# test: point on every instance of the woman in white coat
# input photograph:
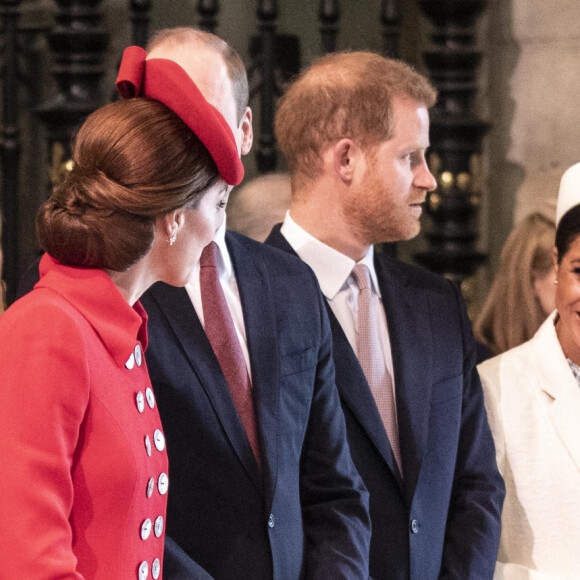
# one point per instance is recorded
(532, 395)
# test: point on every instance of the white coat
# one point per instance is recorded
(533, 405)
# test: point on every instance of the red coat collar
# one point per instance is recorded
(95, 296)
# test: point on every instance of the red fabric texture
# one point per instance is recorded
(165, 81)
(73, 460)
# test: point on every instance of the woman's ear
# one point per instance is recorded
(555, 261)
(170, 224)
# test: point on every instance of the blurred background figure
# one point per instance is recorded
(522, 293)
(532, 397)
(255, 208)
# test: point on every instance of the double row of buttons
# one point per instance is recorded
(147, 525)
(136, 357)
(155, 570)
(158, 440)
(162, 484)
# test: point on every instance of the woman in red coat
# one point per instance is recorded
(84, 483)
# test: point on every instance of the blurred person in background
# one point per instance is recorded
(522, 292)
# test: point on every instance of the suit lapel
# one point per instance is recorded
(352, 385)
(557, 380)
(261, 333)
(409, 324)
(177, 307)
(356, 394)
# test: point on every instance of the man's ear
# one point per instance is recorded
(345, 156)
(247, 132)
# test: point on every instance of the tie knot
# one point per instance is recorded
(209, 256)
(362, 276)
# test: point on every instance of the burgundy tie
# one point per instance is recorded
(221, 332)
(372, 359)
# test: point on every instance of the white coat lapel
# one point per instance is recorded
(559, 384)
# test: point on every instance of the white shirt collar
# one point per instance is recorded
(332, 268)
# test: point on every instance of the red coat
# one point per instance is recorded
(79, 489)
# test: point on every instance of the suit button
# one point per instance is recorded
(271, 521)
(414, 526)
(148, 445)
(146, 529)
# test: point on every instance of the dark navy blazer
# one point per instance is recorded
(305, 514)
(443, 519)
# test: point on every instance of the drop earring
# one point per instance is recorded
(172, 239)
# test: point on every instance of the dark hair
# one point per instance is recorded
(567, 231)
(133, 161)
(182, 35)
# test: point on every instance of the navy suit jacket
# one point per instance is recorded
(443, 519)
(305, 513)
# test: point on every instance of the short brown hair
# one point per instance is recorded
(341, 95)
(236, 70)
(134, 160)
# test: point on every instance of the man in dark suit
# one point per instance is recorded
(295, 507)
(355, 129)
(298, 509)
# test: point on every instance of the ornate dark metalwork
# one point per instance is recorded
(266, 157)
(140, 18)
(390, 16)
(208, 10)
(329, 14)
(78, 42)
(10, 145)
(456, 137)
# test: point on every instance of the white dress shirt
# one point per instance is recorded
(229, 286)
(334, 273)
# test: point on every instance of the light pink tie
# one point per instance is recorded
(372, 359)
(221, 332)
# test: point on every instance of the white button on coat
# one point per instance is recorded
(140, 400)
(158, 530)
(150, 398)
(150, 486)
(163, 483)
(138, 355)
(155, 568)
(146, 529)
(148, 445)
(143, 571)
(130, 362)
(159, 440)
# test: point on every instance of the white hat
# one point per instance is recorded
(569, 193)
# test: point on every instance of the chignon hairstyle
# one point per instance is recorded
(134, 161)
(512, 313)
